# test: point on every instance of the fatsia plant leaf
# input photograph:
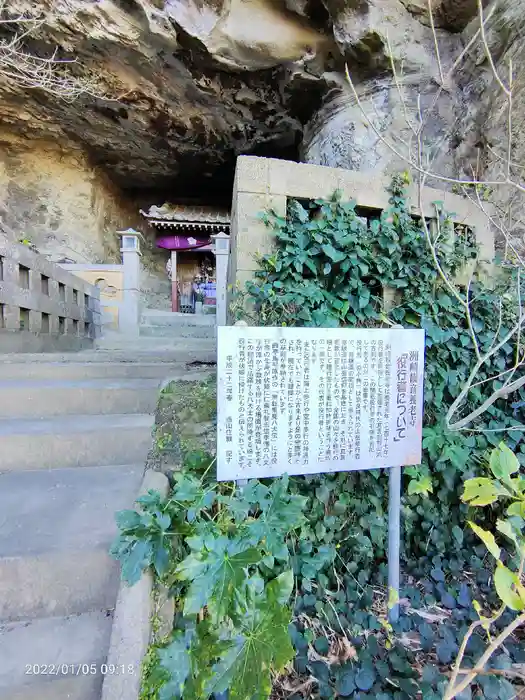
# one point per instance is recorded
(175, 658)
(189, 659)
(218, 573)
(189, 490)
(280, 512)
(138, 557)
(262, 645)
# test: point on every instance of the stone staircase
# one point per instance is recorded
(163, 324)
(75, 431)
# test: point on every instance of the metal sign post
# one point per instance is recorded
(394, 540)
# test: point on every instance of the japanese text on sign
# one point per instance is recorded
(311, 400)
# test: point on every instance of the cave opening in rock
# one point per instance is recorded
(207, 179)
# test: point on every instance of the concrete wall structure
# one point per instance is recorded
(71, 212)
(43, 307)
(265, 183)
(110, 281)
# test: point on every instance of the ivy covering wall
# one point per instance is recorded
(306, 577)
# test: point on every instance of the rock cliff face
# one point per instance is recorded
(181, 87)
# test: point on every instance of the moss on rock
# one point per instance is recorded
(186, 422)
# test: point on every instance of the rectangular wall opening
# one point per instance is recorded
(61, 325)
(61, 291)
(87, 330)
(23, 276)
(45, 325)
(86, 301)
(75, 327)
(2, 315)
(1, 268)
(45, 285)
(75, 296)
(24, 319)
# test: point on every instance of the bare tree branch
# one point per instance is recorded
(421, 158)
(27, 70)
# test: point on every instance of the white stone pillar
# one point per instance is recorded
(221, 249)
(129, 315)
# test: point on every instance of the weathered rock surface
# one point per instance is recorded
(196, 82)
(191, 84)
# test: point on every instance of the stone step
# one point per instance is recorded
(82, 687)
(71, 370)
(177, 319)
(56, 529)
(68, 688)
(173, 331)
(174, 344)
(76, 644)
(124, 354)
(74, 441)
(24, 398)
(57, 583)
(185, 350)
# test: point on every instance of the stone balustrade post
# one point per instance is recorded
(221, 249)
(130, 311)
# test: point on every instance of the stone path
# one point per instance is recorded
(75, 431)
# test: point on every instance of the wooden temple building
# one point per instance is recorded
(186, 232)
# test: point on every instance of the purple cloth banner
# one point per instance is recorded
(181, 242)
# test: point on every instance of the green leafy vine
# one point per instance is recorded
(225, 555)
(334, 264)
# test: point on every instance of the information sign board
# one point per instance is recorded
(312, 400)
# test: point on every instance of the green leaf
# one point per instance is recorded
(505, 582)
(365, 678)
(505, 527)
(345, 685)
(503, 462)
(280, 513)
(323, 493)
(188, 661)
(422, 486)
(334, 255)
(321, 646)
(457, 533)
(138, 559)
(517, 508)
(175, 659)
(261, 645)
(161, 558)
(218, 574)
(150, 500)
(268, 561)
(280, 588)
(311, 265)
(487, 538)
(127, 519)
(190, 491)
(364, 298)
(304, 314)
(480, 492)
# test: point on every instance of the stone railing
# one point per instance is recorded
(110, 281)
(119, 286)
(265, 183)
(43, 308)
